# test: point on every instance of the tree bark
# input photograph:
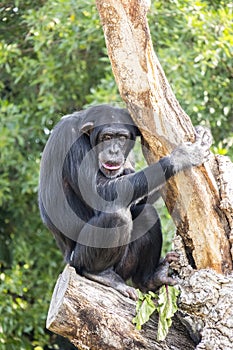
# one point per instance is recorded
(192, 197)
(96, 317)
(200, 201)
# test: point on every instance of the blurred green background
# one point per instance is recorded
(53, 61)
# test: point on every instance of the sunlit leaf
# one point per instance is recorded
(167, 307)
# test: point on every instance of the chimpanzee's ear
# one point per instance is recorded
(87, 128)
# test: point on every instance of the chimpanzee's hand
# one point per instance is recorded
(191, 154)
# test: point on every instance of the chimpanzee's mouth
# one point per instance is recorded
(111, 166)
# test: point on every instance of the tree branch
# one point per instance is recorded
(93, 316)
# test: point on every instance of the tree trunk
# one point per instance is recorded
(200, 201)
(193, 196)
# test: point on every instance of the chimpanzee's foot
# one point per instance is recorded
(161, 275)
(111, 279)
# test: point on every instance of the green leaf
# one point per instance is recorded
(144, 309)
(167, 306)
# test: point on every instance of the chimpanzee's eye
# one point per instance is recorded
(122, 138)
(106, 137)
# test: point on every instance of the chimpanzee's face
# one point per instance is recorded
(113, 145)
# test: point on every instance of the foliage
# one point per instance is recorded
(194, 42)
(53, 60)
(45, 59)
(165, 303)
(167, 307)
(145, 307)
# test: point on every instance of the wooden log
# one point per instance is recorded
(96, 317)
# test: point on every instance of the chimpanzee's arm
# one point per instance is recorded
(130, 188)
(138, 185)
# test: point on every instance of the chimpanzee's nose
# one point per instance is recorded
(114, 150)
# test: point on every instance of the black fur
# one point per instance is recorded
(112, 228)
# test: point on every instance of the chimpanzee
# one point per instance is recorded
(98, 208)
